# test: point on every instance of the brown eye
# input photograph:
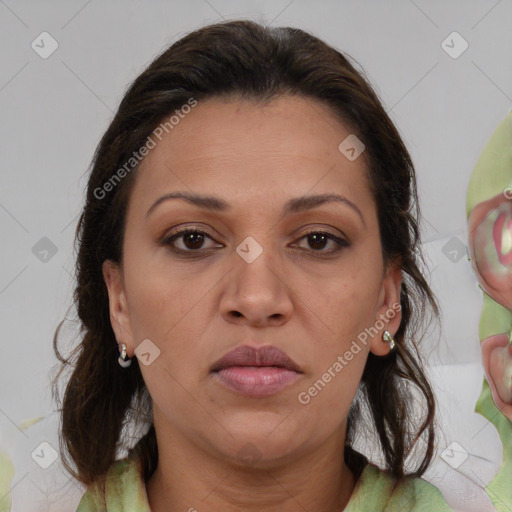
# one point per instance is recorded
(317, 241)
(192, 240)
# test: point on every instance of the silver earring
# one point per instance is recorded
(386, 336)
(123, 359)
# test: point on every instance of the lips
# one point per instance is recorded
(256, 357)
(490, 245)
(256, 372)
(497, 359)
(502, 237)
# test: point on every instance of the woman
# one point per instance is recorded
(250, 236)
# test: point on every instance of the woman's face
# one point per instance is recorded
(254, 280)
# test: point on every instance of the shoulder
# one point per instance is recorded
(124, 490)
(380, 491)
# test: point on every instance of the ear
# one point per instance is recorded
(118, 305)
(389, 311)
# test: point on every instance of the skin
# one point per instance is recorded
(196, 310)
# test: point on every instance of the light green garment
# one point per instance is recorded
(375, 491)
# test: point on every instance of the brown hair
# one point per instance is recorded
(253, 62)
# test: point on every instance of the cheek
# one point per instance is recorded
(160, 297)
(349, 302)
(325, 401)
(171, 311)
(340, 350)
(171, 305)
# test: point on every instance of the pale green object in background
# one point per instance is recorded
(493, 170)
(491, 176)
(6, 476)
(7, 470)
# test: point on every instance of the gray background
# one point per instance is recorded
(54, 111)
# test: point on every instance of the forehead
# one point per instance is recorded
(238, 148)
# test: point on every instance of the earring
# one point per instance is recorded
(386, 336)
(123, 359)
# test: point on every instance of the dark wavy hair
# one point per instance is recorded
(247, 61)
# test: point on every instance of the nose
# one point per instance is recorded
(257, 293)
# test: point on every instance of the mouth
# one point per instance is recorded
(256, 372)
(267, 356)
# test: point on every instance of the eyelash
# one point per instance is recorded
(168, 240)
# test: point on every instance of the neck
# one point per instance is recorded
(189, 479)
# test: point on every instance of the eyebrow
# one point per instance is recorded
(295, 205)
